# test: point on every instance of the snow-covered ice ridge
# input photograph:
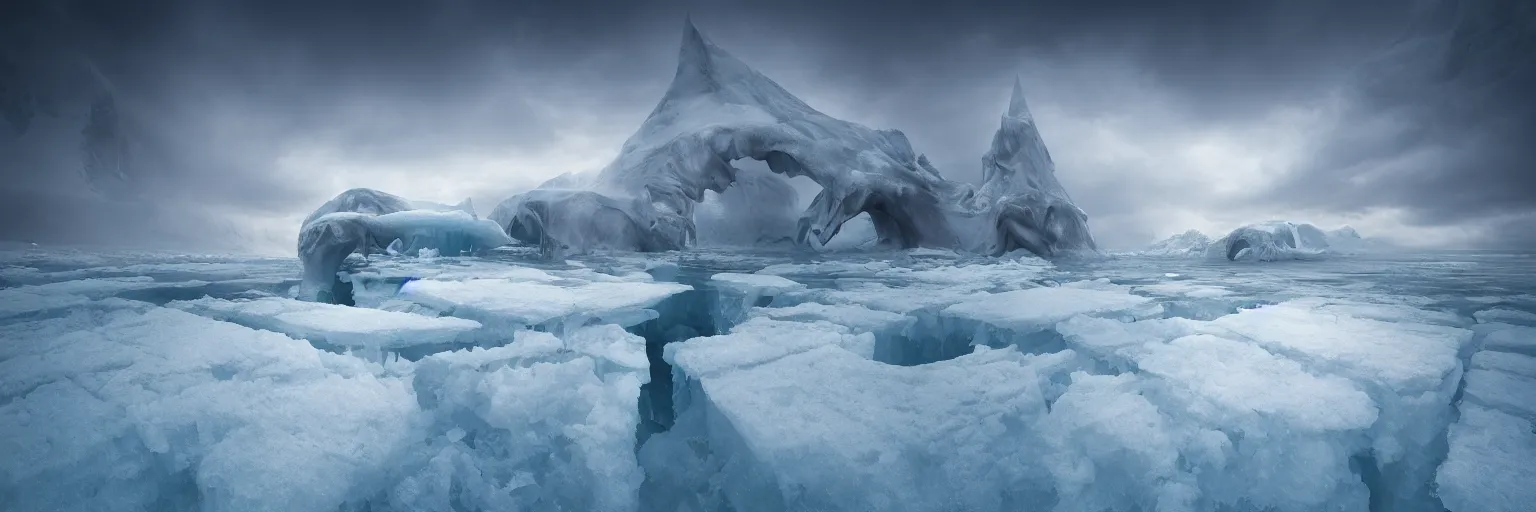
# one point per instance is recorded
(912, 380)
(1266, 241)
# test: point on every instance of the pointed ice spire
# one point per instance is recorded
(1016, 106)
(697, 63)
(706, 69)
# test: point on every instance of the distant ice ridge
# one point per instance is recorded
(718, 110)
(1270, 241)
(1267, 241)
(369, 221)
(1188, 243)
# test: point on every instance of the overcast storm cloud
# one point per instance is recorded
(219, 125)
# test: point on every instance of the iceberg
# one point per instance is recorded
(1270, 241)
(718, 111)
(365, 221)
(1188, 243)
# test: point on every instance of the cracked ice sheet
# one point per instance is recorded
(105, 408)
(1410, 370)
(32, 299)
(759, 340)
(1405, 358)
(342, 326)
(1489, 465)
(933, 437)
(505, 303)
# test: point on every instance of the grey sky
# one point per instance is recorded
(1161, 115)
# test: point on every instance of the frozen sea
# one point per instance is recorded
(768, 381)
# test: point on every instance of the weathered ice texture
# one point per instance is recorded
(718, 110)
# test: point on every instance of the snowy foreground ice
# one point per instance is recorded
(701, 381)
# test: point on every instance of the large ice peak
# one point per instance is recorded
(1019, 179)
(1017, 108)
(719, 110)
(704, 69)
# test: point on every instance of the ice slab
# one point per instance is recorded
(755, 284)
(1515, 364)
(1025, 318)
(503, 303)
(142, 407)
(1507, 316)
(341, 326)
(855, 317)
(1511, 338)
(907, 438)
(760, 340)
(1402, 357)
(1509, 393)
(1036, 309)
(1238, 384)
(1116, 342)
(1489, 466)
(1410, 370)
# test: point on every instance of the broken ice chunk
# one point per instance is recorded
(757, 341)
(1024, 318)
(341, 326)
(1246, 385)
(1512, 394)
(1515, 364)
(1507, 316)
(501, 303)
(1115, 342)
(889, 329)
(142, 406)
(740, 292)
(1511, 338)
(1402, 357)
(542, 423)
(1489, 466)
(946, 436)
(1410, 370)
(1035, 309)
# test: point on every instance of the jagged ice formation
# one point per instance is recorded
(366, 220)
(718, 110)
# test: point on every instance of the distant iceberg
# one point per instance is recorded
(718, 111)
(1188, 243)
(1270, 241)
(1266, 241)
